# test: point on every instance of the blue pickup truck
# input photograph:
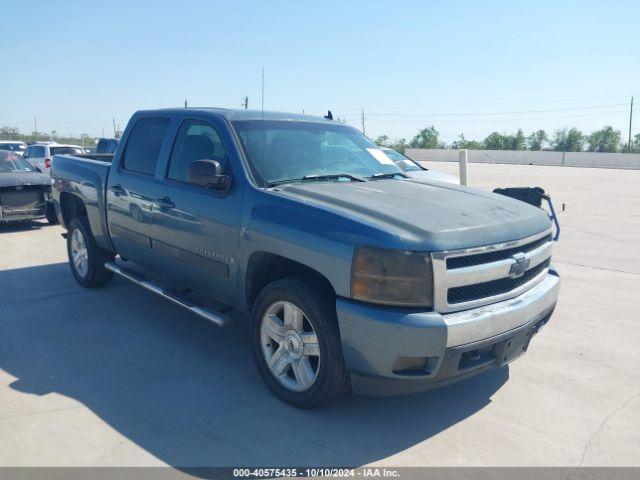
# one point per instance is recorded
(355, 276)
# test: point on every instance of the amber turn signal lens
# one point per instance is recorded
(392, 277)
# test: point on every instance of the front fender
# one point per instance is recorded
(297, 236)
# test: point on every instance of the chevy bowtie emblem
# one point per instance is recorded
(521, 265)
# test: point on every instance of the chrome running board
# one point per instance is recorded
(216, 317)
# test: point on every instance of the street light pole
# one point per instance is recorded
(630, 123)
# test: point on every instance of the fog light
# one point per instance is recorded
(414, 365)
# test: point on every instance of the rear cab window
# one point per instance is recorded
(143, 147)
(35, 152)
(66, 151)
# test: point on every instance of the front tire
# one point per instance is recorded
(296, 342)
(86, 258)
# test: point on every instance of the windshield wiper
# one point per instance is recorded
(377, 176)
(312, 178)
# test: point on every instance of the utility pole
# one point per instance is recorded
(630, 120)
(363, 126)
(262, 92)
(185, 104)
(35, 128)
(246, 102)
(114, 127)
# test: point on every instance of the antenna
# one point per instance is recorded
(262, 116)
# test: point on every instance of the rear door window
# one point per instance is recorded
(144, 145)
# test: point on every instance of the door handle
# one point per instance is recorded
(118, 190)
(165, 202)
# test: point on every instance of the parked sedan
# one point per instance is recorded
(24, 190)
(13, 146)
(417, 171)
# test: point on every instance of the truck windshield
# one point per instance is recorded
(285, 151)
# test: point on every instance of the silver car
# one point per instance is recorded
(417, 171)
(40, 154)
(14, 146)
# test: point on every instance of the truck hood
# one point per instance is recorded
(12, 179)
(425, 216)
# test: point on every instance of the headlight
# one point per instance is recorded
(392, 277)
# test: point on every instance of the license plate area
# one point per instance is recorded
(512, 348)
(499, 353)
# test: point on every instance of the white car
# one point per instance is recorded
(15, 146)
(40, 154)
(415, 170)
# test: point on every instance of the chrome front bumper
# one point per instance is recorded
(374, 338)
(484, 322)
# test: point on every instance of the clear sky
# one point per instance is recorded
(467, 67)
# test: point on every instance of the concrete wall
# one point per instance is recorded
(568, 159)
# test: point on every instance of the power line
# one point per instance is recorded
(473, 114)
(527, 102)
(520, 119)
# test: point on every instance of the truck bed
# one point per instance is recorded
(101, 157)
(85, 177)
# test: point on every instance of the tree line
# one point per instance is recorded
(607, 139)
(12, 133)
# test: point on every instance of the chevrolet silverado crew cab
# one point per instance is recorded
(355, 276)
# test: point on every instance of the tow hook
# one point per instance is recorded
(537, 327)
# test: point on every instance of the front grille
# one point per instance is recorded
(494, 256)
(478, 291)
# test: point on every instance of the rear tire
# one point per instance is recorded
(307, 368)
(86, 258)
(50, 214)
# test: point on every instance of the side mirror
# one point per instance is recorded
(208, 173)
(38, 169)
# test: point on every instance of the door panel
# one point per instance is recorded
(132, 190)
(129, 214)
(197, 229)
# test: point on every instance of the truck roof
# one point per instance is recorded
(240, 114)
